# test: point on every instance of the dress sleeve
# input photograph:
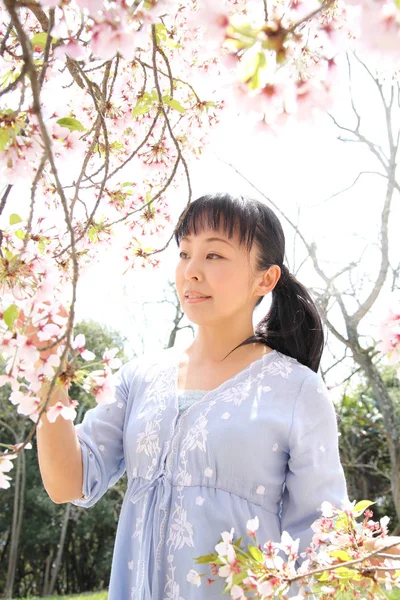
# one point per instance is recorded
(101, 439)
(314, 471)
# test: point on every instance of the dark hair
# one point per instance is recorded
(293, 325)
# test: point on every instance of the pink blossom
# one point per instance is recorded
(265, 589)
(390, 336)
(6, 466)
(27, 350)
(4, 379)
(28, 405)
(194, 577)
(110, 361)
(67, 412)
(92, 6)
(252, 525)
(107, 40)
(287, 544)
(73, 49)
(48, 331)
(79, 344)
(213, 16)
(237, 593)
(47, 367)
(100, 384)
(223, 548)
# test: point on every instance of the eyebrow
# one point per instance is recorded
(211, 239)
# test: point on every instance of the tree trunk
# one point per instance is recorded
(18, 511)
(57, 562)
(390, 419)
(45, 588)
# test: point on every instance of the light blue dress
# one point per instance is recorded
(264, 443)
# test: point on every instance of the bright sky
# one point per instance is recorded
(299, 171)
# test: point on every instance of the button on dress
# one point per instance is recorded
(264, 443)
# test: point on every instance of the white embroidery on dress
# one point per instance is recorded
(148, 440)
(181, 531)
(275, 447)
(198, 435)
(282, 365)
(260, 490)
(208, 472)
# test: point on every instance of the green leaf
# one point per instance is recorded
(20, 234)
(340, 554)
(141, 108)
(39, 39)
(205, 559)
(161, 32)
(238, 542)
(10, 314)
(92, 233)
(127, 184)
(14, 218)
(4, 138)
(345, 573)
(361, 506)
(256, 553)
(71, 123)
(173, 104)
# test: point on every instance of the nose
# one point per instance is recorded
(193, 271)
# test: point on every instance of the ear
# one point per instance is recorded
(268, 281)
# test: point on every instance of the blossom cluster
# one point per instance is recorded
(390, 337)
(338, 559)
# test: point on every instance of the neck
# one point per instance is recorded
(212, 344)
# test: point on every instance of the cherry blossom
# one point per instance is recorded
(67, 412)
(79, 345)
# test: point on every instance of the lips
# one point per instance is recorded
(195, 295)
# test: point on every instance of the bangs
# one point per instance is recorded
(221, 211)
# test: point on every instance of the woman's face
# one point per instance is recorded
(215, 267)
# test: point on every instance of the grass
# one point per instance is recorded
(95, 596)
(103, 596)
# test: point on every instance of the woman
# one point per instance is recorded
(237, 426)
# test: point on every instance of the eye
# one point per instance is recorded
(183, 255)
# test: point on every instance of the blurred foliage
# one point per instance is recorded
(363, 446)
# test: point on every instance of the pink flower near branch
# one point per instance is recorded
(237, 593)
(389, 332)
(108, 39)
(100, 384)
(79, 345)
(252, 526)
(67, 412)
(5, 466)
(110, 361)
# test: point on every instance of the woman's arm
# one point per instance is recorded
(314, 470)
(59, 453)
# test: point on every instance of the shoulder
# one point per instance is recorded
(291, 371)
